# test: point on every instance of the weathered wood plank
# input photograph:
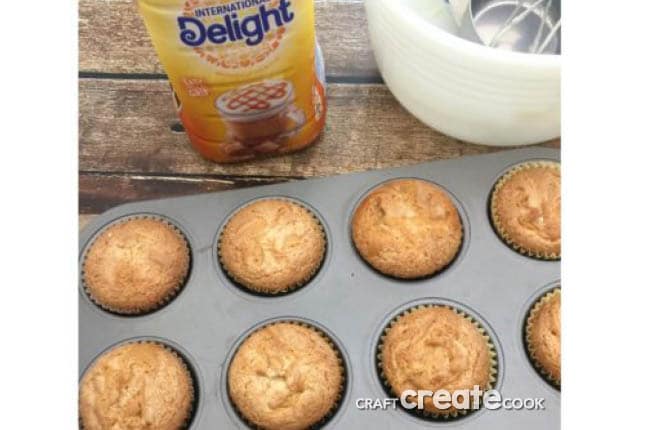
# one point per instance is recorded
(113, 39)
(125, 127)
(100, 192)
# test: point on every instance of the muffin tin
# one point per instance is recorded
(347, 299)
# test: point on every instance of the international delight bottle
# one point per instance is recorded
(247, 75)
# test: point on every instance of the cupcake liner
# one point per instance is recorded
(455, 414)
(437, 272)
(419, 278)
(496, 221)
(545, 298)
(186, 368)
(342, 368)
(161, 303)
(299, 284)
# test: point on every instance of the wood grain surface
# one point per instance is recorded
(100, 192)
(113, 39)
(125, 130)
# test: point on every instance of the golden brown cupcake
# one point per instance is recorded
(136, 266)
(272, 246)
(285, 376)
(407, 228)
(543, 336)
(136, 386)
(436, 348)
(525, 209)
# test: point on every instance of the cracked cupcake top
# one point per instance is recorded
(435, 348)
(526, 209)
(407, 228)
(285, 376)
(136, 265)
(139, 386)
(543, 335)
(272, 246)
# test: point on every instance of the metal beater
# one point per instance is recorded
(531, 26)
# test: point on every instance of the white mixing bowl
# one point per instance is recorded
(463, 89)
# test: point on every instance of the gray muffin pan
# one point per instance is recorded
(347, 299)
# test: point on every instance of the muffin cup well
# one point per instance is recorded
(160, 304)
(421, 413)
(187, 367)
(496, 221)
(530, 349)
(300, 283)
(462, 215)
(339, 354)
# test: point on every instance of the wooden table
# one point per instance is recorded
(128, 149)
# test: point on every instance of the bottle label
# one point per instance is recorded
(244, 73)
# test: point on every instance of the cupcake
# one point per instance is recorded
(285, 376)
(525, 209)
(407, 229)
(136, 386)
(272, 246)
(436, 348)
(543, 330)
(136, 266)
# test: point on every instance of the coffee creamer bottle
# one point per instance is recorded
(247, 75)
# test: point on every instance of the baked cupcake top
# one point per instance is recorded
(543, 335)
(435, 348)
(136, 265)
(272, 246)
(526, 209)
(285, 376)
(407, 228)
(136, 386)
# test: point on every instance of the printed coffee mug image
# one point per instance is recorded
(259, 116)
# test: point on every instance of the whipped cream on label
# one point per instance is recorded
(256, 98)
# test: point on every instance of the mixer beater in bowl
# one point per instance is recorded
(531, 26)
